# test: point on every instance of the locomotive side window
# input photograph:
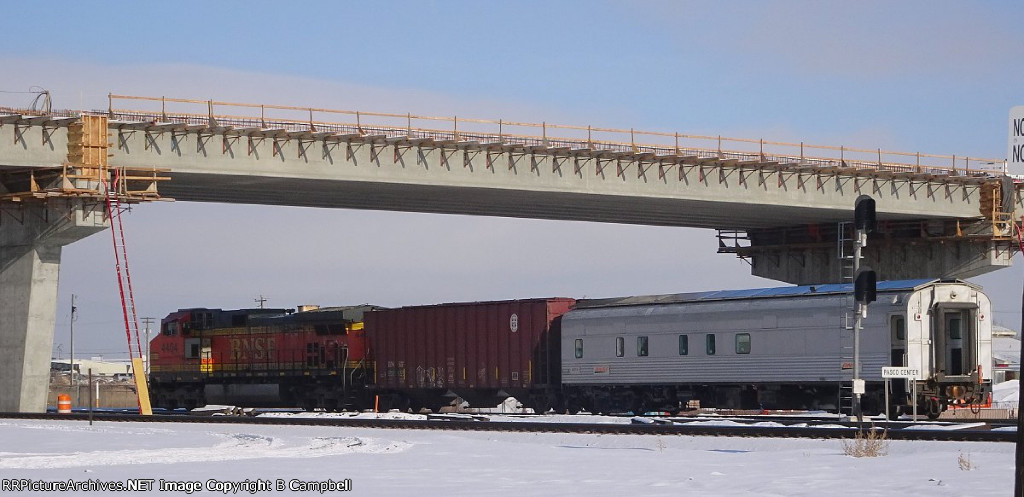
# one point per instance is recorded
(171, 328)
(641, 346)
(684, 344)
(709, 343)
(192, 348)
(579, 348)
(743, 343)
(620, 346)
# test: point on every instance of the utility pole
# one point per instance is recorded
(261, 300)
(147, 322)
(864, 291)
(74, 316)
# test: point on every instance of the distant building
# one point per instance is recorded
(99, 367)
(1005, 354)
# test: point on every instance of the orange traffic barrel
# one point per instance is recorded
(64, 403)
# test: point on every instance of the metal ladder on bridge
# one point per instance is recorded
(124, 284)
(845, 252)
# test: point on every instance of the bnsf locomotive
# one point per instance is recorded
(785, 348)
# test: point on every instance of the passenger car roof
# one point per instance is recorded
(784, 291)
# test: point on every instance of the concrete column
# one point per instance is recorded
(31, 238)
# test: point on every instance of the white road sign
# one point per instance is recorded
(1015, 151)
(896, 372)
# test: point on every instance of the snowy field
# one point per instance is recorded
(422, 463)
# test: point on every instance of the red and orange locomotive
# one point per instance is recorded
(315, 357)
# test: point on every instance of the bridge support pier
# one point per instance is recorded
(892, 261)
(31, 238)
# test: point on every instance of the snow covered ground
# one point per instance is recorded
(1006, 394)
(415, 462)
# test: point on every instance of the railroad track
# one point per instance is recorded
(972, 434)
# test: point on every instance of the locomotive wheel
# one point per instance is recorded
(934, 408)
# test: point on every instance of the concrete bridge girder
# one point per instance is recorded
(571, 185)
(323, 169)
(576, 184)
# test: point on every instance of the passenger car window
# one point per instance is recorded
(579, 348)
(641, 346)
(899, 328)
(620, 346)
(709, 343)
(684, 344)
(743, 343)
(954, 329)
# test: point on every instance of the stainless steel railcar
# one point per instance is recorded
(786, 348)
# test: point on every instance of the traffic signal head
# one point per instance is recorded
(864, 213)
(864, 286)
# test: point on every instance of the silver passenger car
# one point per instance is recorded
(785, 348)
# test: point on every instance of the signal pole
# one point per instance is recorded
(864, 291)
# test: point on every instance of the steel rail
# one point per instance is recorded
(963, 435)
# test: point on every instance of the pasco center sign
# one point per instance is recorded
(1015, 153)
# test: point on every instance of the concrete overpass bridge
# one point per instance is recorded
(781, 206)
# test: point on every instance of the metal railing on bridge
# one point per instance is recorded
(268, 119)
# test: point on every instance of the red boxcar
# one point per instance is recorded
(483, 352)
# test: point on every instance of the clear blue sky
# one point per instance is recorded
(936, 77)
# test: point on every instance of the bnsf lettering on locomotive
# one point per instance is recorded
(252, 348)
